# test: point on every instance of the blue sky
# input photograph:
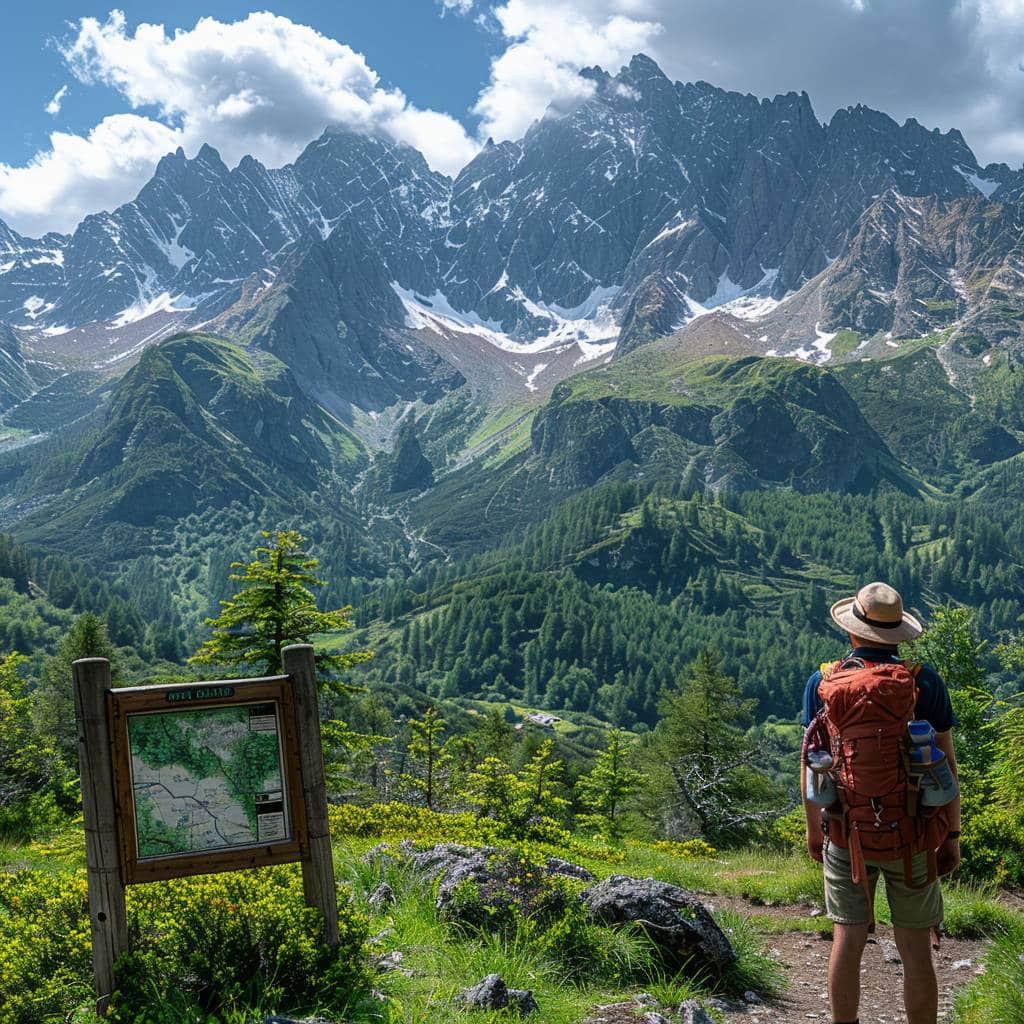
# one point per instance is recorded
(443, 75)
(441, 61)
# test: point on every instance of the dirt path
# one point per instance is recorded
(804, 955)
(805, 958)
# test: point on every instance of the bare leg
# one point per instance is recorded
(920, 989)
(844, 970)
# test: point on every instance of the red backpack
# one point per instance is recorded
(863, 723)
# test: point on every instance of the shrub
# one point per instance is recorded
(45, 950)
(690, 849)
(790, 831)
(246, 939)
(420, 825)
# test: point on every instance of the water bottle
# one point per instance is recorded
(929, 764)
(821, 790)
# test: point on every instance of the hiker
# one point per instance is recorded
(856, 715)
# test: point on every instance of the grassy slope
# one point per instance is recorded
(438, 960)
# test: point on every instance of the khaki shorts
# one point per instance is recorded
(847, 903)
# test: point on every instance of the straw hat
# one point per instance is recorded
(876, 613)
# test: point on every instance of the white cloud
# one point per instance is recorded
(264, 86)
(949, 63)
(53, 107)
(82, 174)
(549, 41)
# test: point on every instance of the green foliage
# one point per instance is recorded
(45, 947)
(988, 746)
(606, 602)
(522, 803)
(605, 791)
(704, 771)
(995, 997)
(527, 906)
(274, 607)
(754, 969)
(34, 782)
(55, 702)
(974, 912)
(212, 945)
(430, 765)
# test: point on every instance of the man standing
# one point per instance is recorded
(850, 837)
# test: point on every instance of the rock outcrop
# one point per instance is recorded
(674, 920)
(492, 993)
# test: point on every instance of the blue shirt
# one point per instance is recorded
(933, 703)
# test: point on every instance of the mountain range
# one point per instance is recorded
(357, 338)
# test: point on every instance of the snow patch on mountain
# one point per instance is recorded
(820, 351)
(986, 186)
(162, 303)
(743, 303)
(591, 324)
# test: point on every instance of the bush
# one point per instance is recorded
(45, 948)
(246, 939)
(690, 849)
(201, 947)
(992, 845)
(420, 825)
(790, 831)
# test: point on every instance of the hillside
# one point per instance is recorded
(418, 959)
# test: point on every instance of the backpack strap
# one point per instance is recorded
(859, 871)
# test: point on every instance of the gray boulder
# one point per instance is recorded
(488, 867)
(691, 1012)
(675, 921)
(493, 994)
(381, 897)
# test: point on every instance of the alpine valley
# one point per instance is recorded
(677, 367)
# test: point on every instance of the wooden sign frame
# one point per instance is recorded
(108, 807)
(207, 696)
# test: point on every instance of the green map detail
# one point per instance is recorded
(197, 777)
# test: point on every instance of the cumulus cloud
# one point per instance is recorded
(267, 86)
(53, 107)
(81, 174)
(949, 63)
(549, 41)
(264, 86)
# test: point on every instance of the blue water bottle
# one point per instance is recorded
(929, 764)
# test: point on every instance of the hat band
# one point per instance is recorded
(877, 623)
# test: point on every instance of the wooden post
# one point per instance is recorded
(106, 888)
(318, 870)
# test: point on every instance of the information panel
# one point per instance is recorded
(208, 776)
(207, 780)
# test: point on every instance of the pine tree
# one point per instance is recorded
(521, 802)
(54, 711)
(32, 774)
(275, 607)
(429, 766)
(608, 787)
(702, 764)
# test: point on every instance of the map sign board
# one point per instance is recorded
(207, 777)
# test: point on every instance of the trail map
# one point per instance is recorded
(207, 779)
